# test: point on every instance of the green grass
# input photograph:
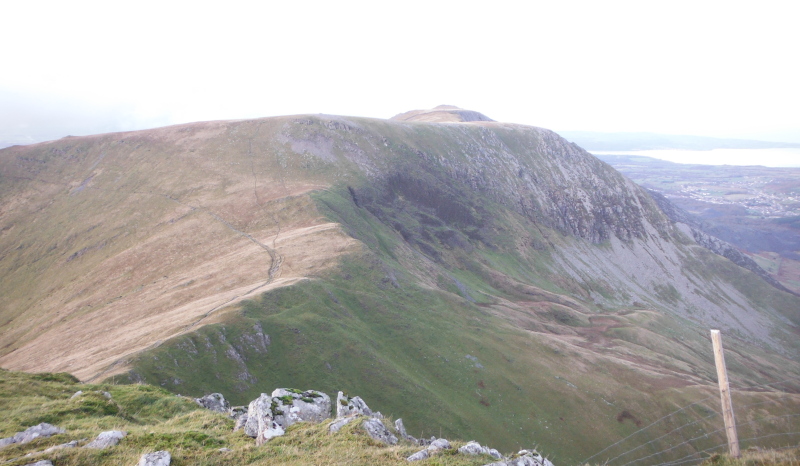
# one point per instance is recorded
(757, 457)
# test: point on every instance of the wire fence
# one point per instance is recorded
(692, 433)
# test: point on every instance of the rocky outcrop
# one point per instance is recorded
(158, 458)
(729, 251)
(296, 405)
(475, 448)
(347, 406)
(259, 416)
(401, 431)
(106, 439)
(336, 425)
(269, 415)
(435, 445)
(524, 458)
(378, 431)
(41, 430)
(71, 444)
(698, 230)
(214, 402)
(239, 416)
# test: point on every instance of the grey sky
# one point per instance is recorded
(714, 68)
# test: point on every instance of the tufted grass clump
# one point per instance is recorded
(757, 456)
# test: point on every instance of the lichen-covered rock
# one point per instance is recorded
(71, 444)
(439, 444)
(347, 406)
(275, 430)
(157, 458)
(239, 415)
(475, 448)
(41, 463)
(297, 405)
(426, 441)
(106, 439)
(214, 402)
(268, 416)
(378, 431)
(40, 430)
(419, 456)
(339, 423)
(259, 416)
(400, 428)
(401, 431)
(524, 458)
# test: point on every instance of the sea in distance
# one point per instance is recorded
(763, 157)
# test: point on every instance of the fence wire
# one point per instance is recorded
(695, 456)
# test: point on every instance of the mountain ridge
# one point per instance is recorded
(404, 247)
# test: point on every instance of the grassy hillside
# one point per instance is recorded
(475, 353)
(481, 280)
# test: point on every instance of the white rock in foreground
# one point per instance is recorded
(106, 439)
(378, 431)
(475, 448)
(157, 458)
(40, 430)
(435, 445)
(296, 406)
(268, 416)
(336, 425)
(214, 402)
(347, 406)
(259, 415)
(419, 456)
(524, 458)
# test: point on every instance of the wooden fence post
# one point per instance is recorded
(725, 394)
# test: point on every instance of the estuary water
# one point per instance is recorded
(763, 157)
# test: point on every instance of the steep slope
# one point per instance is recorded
(114, 242)
(485, 279)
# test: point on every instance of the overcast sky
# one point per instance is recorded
(724, 69)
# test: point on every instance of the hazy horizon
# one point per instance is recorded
(89, 67)
(777, 157)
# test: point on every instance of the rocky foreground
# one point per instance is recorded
(269, 416)
(51, 419)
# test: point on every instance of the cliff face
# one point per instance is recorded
(469, 266)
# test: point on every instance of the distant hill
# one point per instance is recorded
(596, 141)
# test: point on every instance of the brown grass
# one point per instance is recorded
(162, 237)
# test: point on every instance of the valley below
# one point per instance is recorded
(755, 208)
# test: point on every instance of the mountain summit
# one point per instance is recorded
(442, 114)
(489, 280)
